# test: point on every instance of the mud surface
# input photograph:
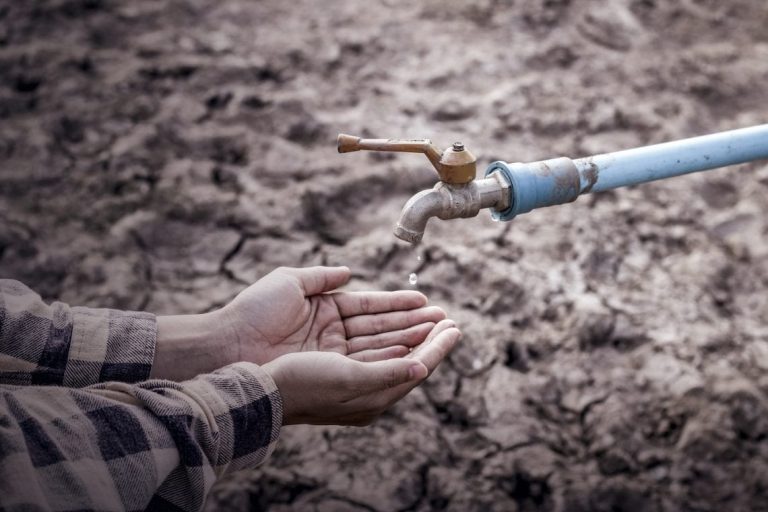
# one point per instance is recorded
(160, 155)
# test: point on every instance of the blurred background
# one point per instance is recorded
(161, 154)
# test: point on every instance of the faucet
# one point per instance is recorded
(456, 195)
(511, 189)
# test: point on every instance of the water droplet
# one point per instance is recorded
(477, 364)
(494, 218)
(418, 258)
(413, 278)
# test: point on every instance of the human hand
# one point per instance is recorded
(291, 310)
(326, 388)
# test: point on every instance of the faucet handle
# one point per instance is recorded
(456, 165)
(349, 143)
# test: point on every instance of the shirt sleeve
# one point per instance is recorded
(158, 445)
(70, 346)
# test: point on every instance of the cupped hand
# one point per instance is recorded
(322, 388)
(296, 310)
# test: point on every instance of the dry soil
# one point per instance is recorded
(160, 155)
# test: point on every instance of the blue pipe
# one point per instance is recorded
(562, 180)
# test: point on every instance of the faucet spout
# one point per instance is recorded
(451, 201)
(417, 212)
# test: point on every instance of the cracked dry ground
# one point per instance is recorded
(160, 155)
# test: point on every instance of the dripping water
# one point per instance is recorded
(413, 278)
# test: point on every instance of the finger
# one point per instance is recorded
(382, 375)
(365, 303)
(440, 327)
(437, 329)
(381, 354)
(410, 337)
(437, 349)
(314, 280)
(364, 325)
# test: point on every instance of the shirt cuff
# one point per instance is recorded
(110, 345)
(248, 413)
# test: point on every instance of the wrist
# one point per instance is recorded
(274, 369)
(188, 345)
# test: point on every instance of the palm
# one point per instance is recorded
(290, 311)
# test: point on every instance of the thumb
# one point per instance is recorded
(314, 280)
(387, 374)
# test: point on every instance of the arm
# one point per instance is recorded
(116, 446)
(70, 346)
(161, 445)
(289, 310)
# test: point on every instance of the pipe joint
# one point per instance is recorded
(537, 184)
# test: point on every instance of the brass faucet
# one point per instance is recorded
(457, 194)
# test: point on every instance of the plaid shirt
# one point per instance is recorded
(79, 430)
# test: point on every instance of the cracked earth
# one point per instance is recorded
(160, 155)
